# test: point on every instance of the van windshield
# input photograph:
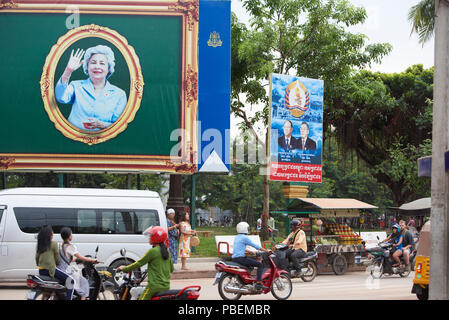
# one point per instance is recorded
(87, 221)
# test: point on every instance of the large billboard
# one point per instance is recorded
(296, 128)
(105, 86)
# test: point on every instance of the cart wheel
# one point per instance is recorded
(339, 264)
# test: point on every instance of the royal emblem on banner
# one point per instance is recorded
(297, 98)
(214, 40)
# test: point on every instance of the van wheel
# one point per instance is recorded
(117, 277)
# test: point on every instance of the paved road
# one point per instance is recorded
(350, 286)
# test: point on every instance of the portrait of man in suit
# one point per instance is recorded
(305, 143)
(287, 141)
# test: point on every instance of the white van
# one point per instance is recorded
(111, 219)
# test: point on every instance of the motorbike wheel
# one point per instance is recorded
(226, 280)
(404, 274)
(108, 294)
(282, 287)
(311, 272)
(377, 269)
(412, 263)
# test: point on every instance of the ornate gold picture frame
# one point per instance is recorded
(48, 80)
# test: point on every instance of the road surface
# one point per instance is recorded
(350, 286)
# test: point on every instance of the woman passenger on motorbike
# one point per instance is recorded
(69, 253)
(160, 265)
(47, 259)
(240, 243)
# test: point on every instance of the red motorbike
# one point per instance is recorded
(235, 280)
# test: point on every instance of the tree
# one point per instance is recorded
(304, 37)
(422, 18)
(386, 118)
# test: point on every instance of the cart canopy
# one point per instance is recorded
(420, 207)
(328, 207)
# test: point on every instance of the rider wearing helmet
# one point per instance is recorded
(297, 243)
(240, 243)
(396, 237)
(160, 266)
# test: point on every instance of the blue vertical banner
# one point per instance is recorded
(214, 85)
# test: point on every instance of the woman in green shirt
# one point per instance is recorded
(160, 266)
(47, 259)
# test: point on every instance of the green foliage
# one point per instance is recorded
(386, 118)
(422, 18)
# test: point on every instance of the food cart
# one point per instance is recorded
(335, 242)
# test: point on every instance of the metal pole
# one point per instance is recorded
(439, 279)
(61, 180)
(192, 202)
(4, 180)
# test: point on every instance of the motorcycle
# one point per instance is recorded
(381, 263)
(235, 280)
(308, 265)
(46, 288)
(130, 288)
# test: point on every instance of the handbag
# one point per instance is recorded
(194, 241)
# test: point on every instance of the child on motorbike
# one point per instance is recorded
(160, 265)
(397, 237)
(240, 243)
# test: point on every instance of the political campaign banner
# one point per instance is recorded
(296, 128)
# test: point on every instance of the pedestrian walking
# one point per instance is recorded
(186, 233)
(173, 235)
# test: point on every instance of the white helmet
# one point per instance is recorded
(242, 227)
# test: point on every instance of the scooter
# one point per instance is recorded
(130, 288)
(308, 265)
(381, 263)
(235, 280)
(45, 287)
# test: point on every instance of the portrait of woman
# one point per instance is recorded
(96, 103)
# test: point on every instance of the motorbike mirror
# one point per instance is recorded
(377, 237)
(123, 252)
(96, 250)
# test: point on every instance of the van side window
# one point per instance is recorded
(87, 221)
(127, 222)
(30, 220)
(1, 214)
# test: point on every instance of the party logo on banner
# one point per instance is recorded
(296, 128)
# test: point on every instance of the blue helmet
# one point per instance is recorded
(397, 226)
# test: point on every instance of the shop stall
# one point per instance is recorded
(324, 221)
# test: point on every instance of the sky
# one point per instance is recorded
(386, 23)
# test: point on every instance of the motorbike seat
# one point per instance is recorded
(237, 265)
(49, 279)
(308, 256)
(167, 293)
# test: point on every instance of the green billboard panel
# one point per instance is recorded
(98, 87)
